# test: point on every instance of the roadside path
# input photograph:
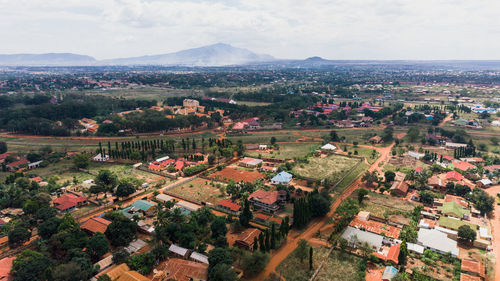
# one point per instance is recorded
(495, 229)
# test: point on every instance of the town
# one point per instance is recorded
(249, 174)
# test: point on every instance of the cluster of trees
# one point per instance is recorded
(41, 118)
(409, 233)
(316, 204)
(469, 150)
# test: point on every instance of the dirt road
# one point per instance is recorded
(293, 238)
(495, 229)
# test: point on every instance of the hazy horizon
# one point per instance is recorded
(336, 30)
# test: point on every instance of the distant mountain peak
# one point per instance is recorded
(315, 58)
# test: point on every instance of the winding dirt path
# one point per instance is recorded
(495, 229)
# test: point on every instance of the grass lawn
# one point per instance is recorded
(264, 137)
(364, 152)
(340, 266)
(287, 151)
(199, 189)
(332, 167)
(294, 270)
(454, 224)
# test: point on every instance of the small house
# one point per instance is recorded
(283, 178)
(247, 238)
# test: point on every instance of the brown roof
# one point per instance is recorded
(467, 277)
(228, 203)
(473, 267)
(248, 235)
(96, 224)
(401, 186)
(267, 197)
(183, 270)
(376, 227)
(132, 276)
(117, 271)
(5, 267)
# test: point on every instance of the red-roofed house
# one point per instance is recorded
(69, 201)
(454, 176)
(95, 225)
(36, 179)
(247, 238)
(393, 254)
(17, 164)
(155, 167)
(463, 166)
(268, 201)
(179, 165)
(229, 206)
(5, 267)
(276, 220)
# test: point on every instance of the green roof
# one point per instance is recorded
(142, 205)
(454, 208)
(454, 223)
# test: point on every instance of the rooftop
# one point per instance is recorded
(435, 239)
(95, 225)
(267, 197)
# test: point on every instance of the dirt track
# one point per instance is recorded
(495, 229)
(280, 254)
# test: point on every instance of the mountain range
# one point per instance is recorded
(213, 55)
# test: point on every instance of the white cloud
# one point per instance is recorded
(338, 29)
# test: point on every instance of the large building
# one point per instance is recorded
(190, 103)
(267, 201)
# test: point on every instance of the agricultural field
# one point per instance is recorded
(286, 151)
(293, 269)
(390, 207)
(349, 179)
(331, 167)
(340, 266)
(363, 152)
(200, 190)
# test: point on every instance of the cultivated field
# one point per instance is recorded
(200, 190)
(295, 270)
(331, 167)
(340, 266)
(391, 207)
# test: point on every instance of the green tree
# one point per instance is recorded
(3, 147)
(121, 231)
(361, 194)
(31, 265)
(120, 255)
(218, 227)
(81, 161)
(389, 176)
(97, 246)
(273, 140)
(18, 236)
(370, 177)
(413, 134)
(69, 272)
(246, 214)
(124, 189)
(466, 233)
(222, 272)
(254, 263)
(104, 277)
(302, 250)
(388, 134)
(310, 258)
(403, 253)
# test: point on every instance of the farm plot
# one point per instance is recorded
(384, 206)
(200, 190)
(331, 167)
(293, 269)
(341, 266)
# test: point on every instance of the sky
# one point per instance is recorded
(291, 29)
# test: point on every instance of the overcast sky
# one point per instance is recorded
(338, 29)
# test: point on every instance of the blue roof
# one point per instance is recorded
(389, 272)
(282, 177)
(142, 205)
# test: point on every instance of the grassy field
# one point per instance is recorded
(264, 137)
(294, 270)
(332, 167)
(454, 224)
(340, 266)
(287, 151)
(381, 205)
(349, 179)
(199, 189)
(363, 152)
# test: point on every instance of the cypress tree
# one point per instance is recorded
(273, 236)
(255, 244)
(268, 240)
(262, 246)
(311, 258)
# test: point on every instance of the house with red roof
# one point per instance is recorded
(155, 167)
(95, 225)
(5, 268)
(463, 166)
(17, 164)
(454, 176)
(37, 179)
(69, 201)
(267, 201)
(179, 165)
(228, 205)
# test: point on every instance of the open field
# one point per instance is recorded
(331, 167)
(294, 270)
(340, 266)
(349, 179)
(143, 92)
(363, 152)
(286, 151)
(454, 224)
(264, 137)
(390, 207)
(200, 190)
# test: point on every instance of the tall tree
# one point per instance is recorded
(246, 214)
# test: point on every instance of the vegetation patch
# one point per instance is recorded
(332, 167)
(200, 190)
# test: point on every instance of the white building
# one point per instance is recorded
(101, 158)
